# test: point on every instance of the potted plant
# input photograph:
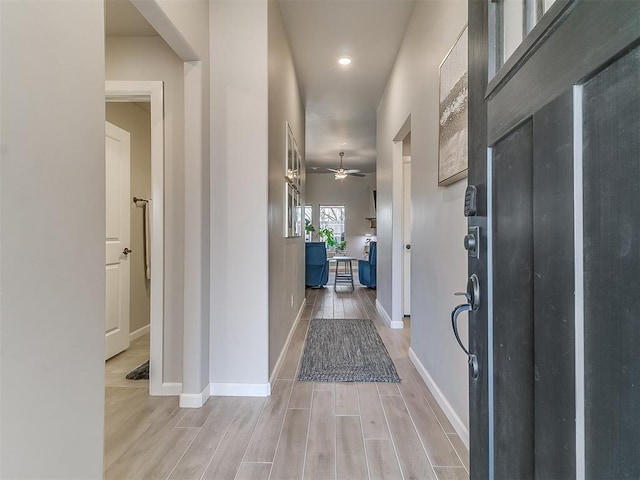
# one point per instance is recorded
(309, 229)
(326, 235)
(341, 246)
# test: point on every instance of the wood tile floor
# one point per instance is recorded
(302, 431)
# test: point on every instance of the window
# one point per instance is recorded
(308, 220)
(512, 21)
(333, 217)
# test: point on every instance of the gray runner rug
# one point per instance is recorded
(345, 350)
(139, 373)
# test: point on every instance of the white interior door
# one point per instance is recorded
(406, 236)
(117, 270)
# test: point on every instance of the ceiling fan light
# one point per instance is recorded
(344, 60)
(340, 176)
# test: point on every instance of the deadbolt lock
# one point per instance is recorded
(472, 242)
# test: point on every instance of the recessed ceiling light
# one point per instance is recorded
(344, 60)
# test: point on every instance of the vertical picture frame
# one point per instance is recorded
(293, 209)
(453, 111)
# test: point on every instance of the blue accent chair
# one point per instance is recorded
(316, 264)
(367, 268)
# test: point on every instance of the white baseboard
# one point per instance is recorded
(171, 389)
(139, 333)
(460, 428)
(240, 389)
(396, 324)
(194, 400)
(278, 365)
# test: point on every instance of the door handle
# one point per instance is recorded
(473, 303)
(126, 251)
(408, 246)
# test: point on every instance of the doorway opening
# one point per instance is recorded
(127, 100)
(406, 226)
(401, 244)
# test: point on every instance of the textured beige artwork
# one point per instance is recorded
(454, 93)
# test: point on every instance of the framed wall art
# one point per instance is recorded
(293, 186)
(454, 96)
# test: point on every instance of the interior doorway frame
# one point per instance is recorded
(397, 247)
(152, 92)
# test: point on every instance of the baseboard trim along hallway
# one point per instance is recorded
(456, 422)
(276, 369)
(240, 389)
(395, 324)
(195, 400)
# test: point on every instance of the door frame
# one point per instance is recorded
(397, 244)
(152, 92)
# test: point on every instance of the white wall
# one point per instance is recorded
(356, 193)
(239, 196)
(52, 239)
(150, 58)
(189, 27)
(439, 262)
(137, 122)
(286, 255)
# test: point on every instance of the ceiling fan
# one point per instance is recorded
(342, 173)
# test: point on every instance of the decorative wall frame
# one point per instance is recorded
(293, 185)
(453, 118)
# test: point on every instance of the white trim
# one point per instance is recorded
(194, 400)
(133, 91)
(397, 251)
(489, 297)
(169, 389)
(461, 429)
(195, 355)
(157, 18)
(139, 333)
(578, 239)
(278, 365)
(240, 389)
(395, 324)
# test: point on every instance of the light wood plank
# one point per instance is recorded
(451, 473)
(289, 459)
(254, 471)
(134, 457)
(413, 459)
(326, 386)
(128, 437)
(388, 388)
(167, 454)
(291, 360)
(347, 399)
(382, 461)
(460, 448)
(351, 461)
(435, 406)
(228, 457)
(197, 457)
(402, 367)
(434, 439)
(374, 424)
(195, 417)
(301, 395)
(320, 459)
(262, 447)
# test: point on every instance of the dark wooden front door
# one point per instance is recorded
(554, 151)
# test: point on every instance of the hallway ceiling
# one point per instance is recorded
(341, 101)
